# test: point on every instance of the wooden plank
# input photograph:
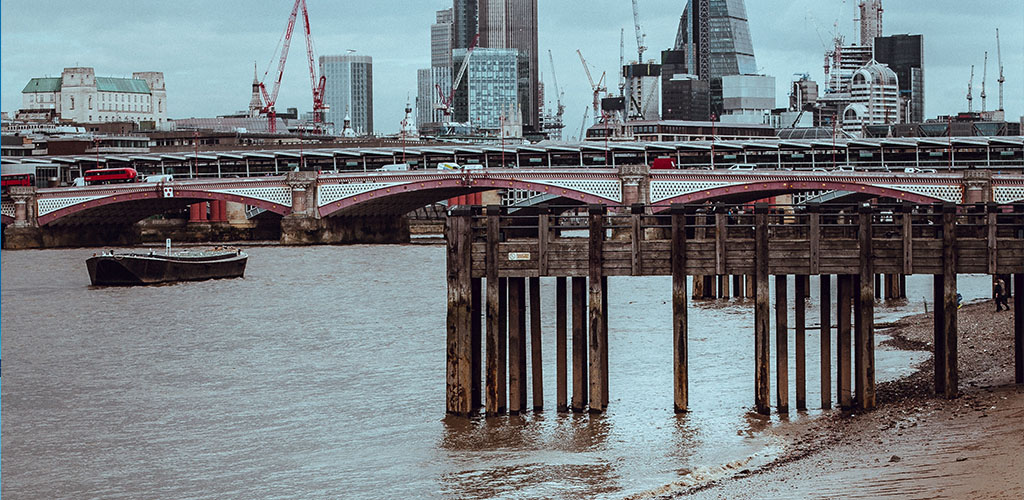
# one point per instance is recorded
(579, 344)
(596, 308)
(762, 313)
(800, 301)
(458, 355)
(720, 234)
(825, 340)
(561, 346)
(843, 341)
(814, 222)
(543, 234)
(908, 240)
(679, 313)
(781, 345)
(516, 345)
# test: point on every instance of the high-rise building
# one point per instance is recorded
(441, 44)
(874, 99)
(747, 98)
(512, 24)
(870, 21)
(716, 38)
(424, 97)
(905, 55)
(489, 93)
(349, 91)
(465, 27)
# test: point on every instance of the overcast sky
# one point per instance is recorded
(206, 49)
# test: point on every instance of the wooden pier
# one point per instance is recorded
(868, 248)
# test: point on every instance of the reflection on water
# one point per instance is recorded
(321, 374)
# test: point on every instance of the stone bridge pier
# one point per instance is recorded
(305, 226)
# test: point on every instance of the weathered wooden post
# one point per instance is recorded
(801, 325)
(866, 315)
(597, 313)
(948, 319)
(1018, 327)
(476, 342)
(495, 378)
(679, 314)
(825, 340)
(845, 285)
(762, 312)
(516, 345)
(579, 344)
(561, 348)
(459, 373)
(503, 345)
(536, 365)
(781, 345)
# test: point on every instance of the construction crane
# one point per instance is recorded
(640, 37)
(597, 87)
(559, 107)
(446, 104)
(317, 83)
(970, 88)
(999, 53)
(622, 60)
(583, 128)
(984, 76)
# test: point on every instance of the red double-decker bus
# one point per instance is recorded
(8, 180)
(110, 175)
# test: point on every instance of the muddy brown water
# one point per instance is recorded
(321, 375)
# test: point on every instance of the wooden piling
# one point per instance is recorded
(781, 345)
(579, 344)
(476, 343)
(866, 315)
(762, 312)
(720, 248)
(845, 285)
(939, 332)
(561, 347)
(604, 342)
(679, 313)
(636, 238)
(908, 242)
(737, 286)
(949, 312)
(1018, 327)
(459, 373)
(825, 341)
(495, 376)
(597, 315)
(801, 324)
(536, 365)
(516, 345)
(749, 288)
(814, 235)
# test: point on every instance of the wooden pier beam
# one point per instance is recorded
(800, 341)
(494, 362)
(561, 347)
(679, 314)
(476, 343)
(536, 365)
(516, 345)
(597, 313)
(762, 312)
(866, 314)
(781, 345)
(1018, 327)
(579, 344)
(845, 285)
(459, 373)
(948, 319)
(825, 341)
(502, 345)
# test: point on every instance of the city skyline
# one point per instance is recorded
(208, 67)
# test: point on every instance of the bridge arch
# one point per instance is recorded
(141, 203)
(401, 196)
(752, 191)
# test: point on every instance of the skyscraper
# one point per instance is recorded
(512, 24)
(441, 45)
(349, 91)
(715, 36)
(489, 90)
(905, 55)
(870, 21)
(465, 27)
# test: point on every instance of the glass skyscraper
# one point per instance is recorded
(490, 87)
(716, 31)
(349, 91)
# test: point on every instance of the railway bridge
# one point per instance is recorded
(369, 207)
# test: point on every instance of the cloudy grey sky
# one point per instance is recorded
(207, 49)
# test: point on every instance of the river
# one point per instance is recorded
(321, 375)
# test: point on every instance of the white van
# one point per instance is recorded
(743, 166)
(79, 181)
(159, 178)
(448, 166)
(394, 167)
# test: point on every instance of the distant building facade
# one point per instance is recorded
(512, 24)
(79, 96)
(489, 93)
(905, 55)
(349, 91)
(747, 98)
(874, 99)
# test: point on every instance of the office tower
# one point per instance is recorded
(349, 91)
(512, 24)
(905, 55)
(870, 21)
(715, 36)
(425, 93)
(874, 99)
(465, 27)
(441, 45)
(489, 91)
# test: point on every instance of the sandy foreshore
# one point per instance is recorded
(916, 444)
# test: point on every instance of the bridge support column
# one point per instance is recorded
(762, 312)
(598, 318)
(946, 371)
(680, 376)
(579, 344)
(25, 232)
(459, 371)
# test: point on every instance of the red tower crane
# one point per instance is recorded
(317, 83)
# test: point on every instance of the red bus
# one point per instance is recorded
(8, 180)
(663, 163)
(110, 175)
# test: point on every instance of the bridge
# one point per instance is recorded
(494, 257)
(366, 207)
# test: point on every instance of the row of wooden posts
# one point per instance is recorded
(503, 301)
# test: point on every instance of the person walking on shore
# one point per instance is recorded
(999, 287)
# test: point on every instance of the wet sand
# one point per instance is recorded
(916, 444)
